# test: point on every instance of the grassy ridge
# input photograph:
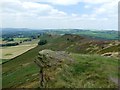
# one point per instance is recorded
(89, 70)
(18, 65)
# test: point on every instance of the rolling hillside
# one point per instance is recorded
(90, 70)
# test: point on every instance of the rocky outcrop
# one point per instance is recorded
(49, 61)
(111, 54)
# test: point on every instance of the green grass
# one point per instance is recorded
(3, 60)
(88, 71)
(8, 54)
(100, 34)
(97, 62)
(20, 39)
(14, 67)
(20, 76)
(21, 59)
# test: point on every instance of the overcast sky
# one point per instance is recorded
(61, 14)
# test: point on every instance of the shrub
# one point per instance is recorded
(10, 44)
(8, 39)
(42, 42)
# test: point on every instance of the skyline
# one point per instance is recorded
(59, 14)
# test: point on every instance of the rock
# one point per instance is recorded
(111, 54)
(51, 63)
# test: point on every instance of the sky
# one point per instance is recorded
(59, 14)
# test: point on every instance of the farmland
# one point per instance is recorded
(14, 51)
(14, 45)
(20, 39)
(11, 52)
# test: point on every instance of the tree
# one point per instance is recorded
(42, 42)
(8, 39)
(10, 44)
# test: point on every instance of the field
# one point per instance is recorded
(1, 41)
(13, 51)
(20, 39)
(110, 35)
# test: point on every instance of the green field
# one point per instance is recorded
(101, 34)
(20, 39)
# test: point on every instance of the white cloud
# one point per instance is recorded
(107, 10)
(33, 13)
(98, 1)
(74, 2)
(74, 15)
(109, 7)
(10, 5)
(87, 6)
(63, 2)
(24, 8)
(55, 12)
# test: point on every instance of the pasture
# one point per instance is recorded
(13, 51)
(10, 52)
(20, 39)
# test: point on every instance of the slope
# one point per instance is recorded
(22, 71)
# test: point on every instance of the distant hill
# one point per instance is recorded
(103, 34)
(96, 34)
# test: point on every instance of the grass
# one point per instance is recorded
(20, 76)
(16, 62)
(88, 72)
(103, 35)
(0, 40)
(17, 65)
(20, 39)
(97, 62)
(8, 54)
